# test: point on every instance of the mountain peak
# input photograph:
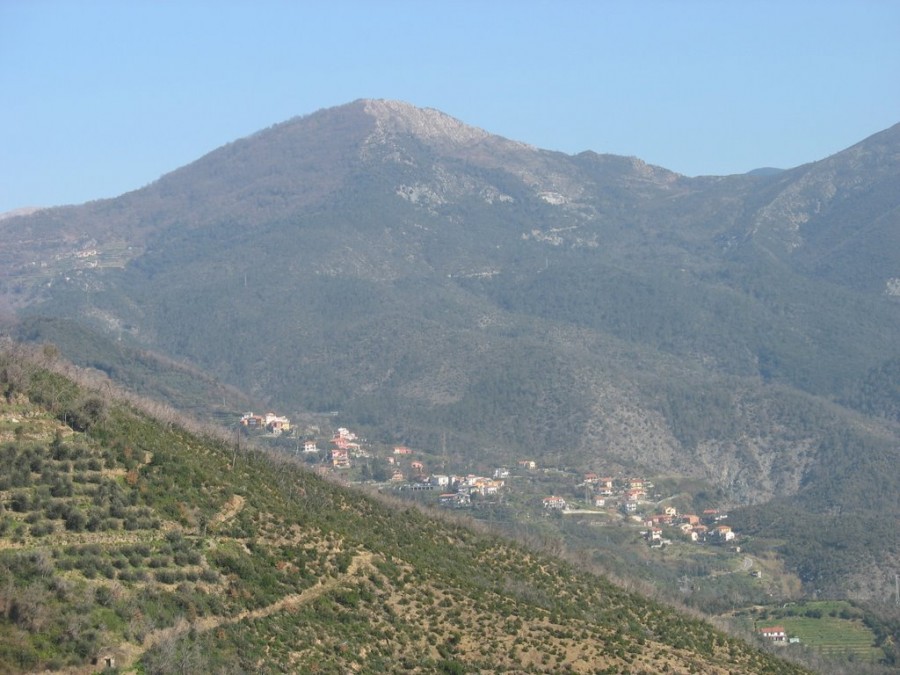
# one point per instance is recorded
(428, 124)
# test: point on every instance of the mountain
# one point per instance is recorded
(127, 541)
(764, 171)
(444, 287)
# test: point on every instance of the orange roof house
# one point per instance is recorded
(773, 633)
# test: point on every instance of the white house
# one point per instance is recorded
(554, 502)
(773, 633)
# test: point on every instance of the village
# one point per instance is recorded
(404, 470)
(623, 499)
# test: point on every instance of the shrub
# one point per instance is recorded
(75, 521)
(42, 529)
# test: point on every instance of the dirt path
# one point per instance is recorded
(128, 654)
(232, 507)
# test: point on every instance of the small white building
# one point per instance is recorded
(553, 502)
(773, 633)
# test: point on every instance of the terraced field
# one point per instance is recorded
(834, 636)
(834, 628)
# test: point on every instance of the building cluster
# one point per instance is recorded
(706, 527)
(270, 422)
(607, 492)
(625, 493)
(459, 490)
(346, 446)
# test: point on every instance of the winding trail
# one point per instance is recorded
(230, 510)
(128, 654)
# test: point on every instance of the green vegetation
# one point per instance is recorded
(239, 561)
(487, 301)
(838, 631)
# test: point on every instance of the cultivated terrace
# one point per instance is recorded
(129, 544)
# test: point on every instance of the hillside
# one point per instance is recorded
(129, 541)
(444, 287)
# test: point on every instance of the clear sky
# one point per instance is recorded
(99, 98)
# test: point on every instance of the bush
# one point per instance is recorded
(75, 521)
(42, 529)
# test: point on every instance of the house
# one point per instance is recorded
(690, 519)
(402, 450)
(340, 459)
(487, 486)
(501, 472)
(346, 434)
(723, 533)
(397, 477)
(440, 480)
(554, 502)
(599, 500)
(417, 466)
(773, 633)
(711, 516)
(654, 533)
(671, 511)
(252, 421)
(356, 450)
(528, 464)
(276, 423)
(605, 485)
(591, 478)
(453, 499)
(310, 446)
(630, 507)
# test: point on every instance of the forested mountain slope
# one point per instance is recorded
(436, 284)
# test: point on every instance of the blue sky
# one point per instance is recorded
(99, 98)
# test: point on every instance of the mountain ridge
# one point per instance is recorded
(439, 283)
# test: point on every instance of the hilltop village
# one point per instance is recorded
(404, 470)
